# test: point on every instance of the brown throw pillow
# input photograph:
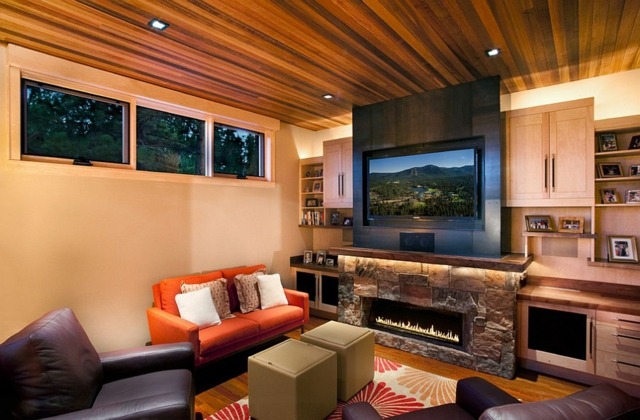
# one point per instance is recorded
(248, 294)
(218, 294)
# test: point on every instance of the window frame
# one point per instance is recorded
(145, 95)
(266, 164)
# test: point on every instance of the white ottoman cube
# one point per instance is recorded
(355, 349)
(292, 380)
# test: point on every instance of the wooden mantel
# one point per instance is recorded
(510, 262)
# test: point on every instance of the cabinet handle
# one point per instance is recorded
(627, 320)
(546, 172)
(342, 183)
(553, 172)
(625, 336)
(625, 363)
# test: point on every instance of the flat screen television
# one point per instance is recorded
(427, 185)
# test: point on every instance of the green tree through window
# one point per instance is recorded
(63, 123)
(168, 142)
(237, 151)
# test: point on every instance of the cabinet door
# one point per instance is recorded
(527, 158)
(572, 160)
(338, 173)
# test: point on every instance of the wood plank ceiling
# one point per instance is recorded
(277, 58)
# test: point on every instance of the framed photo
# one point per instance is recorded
(608, 142)
(634, 170)
(348, 221)
(610, 170)
(622, 249)
(571, 224)
(635, 142)
(321, 257)
(609, 196)
(317, 186)
(308, 257)
(633, 197)
(311, 202)
(330, 262)
(539, 223)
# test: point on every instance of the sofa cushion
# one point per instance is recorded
(197, 307)
(170, 287)
(50, 376)
(230, 274)
(248, 294)
(219, 294)
(271, 291)
(230, 331)
(601, 401)
(273, 318)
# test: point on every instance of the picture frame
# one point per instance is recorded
(317, 186)
(538, 223)
(634, 170)
(609, 196)
(348, 221)
(610, 169)
(311, 202)
(608, 142)
(307, 257)
(632, 197)
(622, 248)
(571, 224)
(635, 142)
(321, 257)
(330, 262)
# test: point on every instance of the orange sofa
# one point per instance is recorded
(233, 334)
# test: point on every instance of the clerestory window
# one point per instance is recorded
(62, 123)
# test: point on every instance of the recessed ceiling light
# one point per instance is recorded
(327, 96)
(493, 52)
(158, 24)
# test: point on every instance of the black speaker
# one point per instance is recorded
(424, 242)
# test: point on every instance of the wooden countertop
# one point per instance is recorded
(583, 294)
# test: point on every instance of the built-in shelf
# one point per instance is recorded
(511, 262)
(567, 235)
(601, 262)
(326, 227)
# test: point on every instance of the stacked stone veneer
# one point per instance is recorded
(487, 298)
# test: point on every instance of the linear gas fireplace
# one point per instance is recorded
(460, 315)
(443, 327)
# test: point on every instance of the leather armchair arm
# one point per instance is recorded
(475, 395)
(300, 299)
(360, 411)
(140, 360)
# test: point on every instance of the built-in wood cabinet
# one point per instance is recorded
(321, 284)
(338, 173)
(618, 346)
(549, 155)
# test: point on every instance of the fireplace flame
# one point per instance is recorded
(416, 328)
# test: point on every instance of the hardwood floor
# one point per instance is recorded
(225, 382)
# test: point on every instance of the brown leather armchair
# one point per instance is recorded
(50, 368)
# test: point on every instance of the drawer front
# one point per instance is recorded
(617, 340)
(629, 322)
(616, 366)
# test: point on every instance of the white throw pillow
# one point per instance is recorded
(271, 291)
(198, 307)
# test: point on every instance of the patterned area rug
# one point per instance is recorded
(395, 389)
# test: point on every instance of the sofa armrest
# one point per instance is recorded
(300, 299)
(140, 360)
(475, 395)
(165, 328)
(360, 411)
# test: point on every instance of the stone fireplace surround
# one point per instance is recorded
(486, 297)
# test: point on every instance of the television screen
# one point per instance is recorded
(415, 184)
